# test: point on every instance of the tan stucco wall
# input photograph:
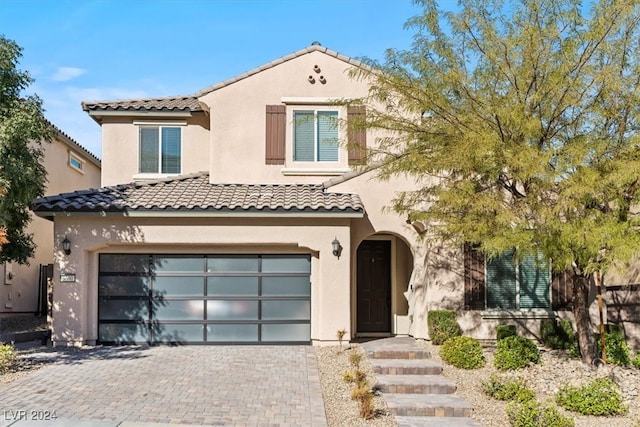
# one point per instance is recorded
(21, 295)
(75, 304)
(120, 146)
(238, 129)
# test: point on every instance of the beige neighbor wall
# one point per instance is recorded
(238, 129)
(120, 146)
(19, 295)
(75, 304)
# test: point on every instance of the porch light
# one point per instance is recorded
(66, 245)
(337, 247)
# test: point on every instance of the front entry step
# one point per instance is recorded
(405, 367)
(418, 384)
(436, 422)
(427, 405)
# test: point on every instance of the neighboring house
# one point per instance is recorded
(241, 215)
(69, 166)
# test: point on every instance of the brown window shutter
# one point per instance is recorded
(474, 278)
(562, 290)
(275, 135)
(357, 134)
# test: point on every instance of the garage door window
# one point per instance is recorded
(204, 299)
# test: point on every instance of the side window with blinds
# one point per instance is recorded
(160, 150)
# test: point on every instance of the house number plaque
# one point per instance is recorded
(68, 277)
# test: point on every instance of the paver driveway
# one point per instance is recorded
(212, 385)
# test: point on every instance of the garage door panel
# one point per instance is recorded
(204, 298)
(180, 333)
(286, 333)
(286, 310)
(164, 286)
(232, 286)
(232, 310)
(179, 310)
(229, 264)
(123, 333)
(232, 333)
(286, 286)
(123, 286)
(123, 309)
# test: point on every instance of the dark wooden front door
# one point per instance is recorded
(374, 286)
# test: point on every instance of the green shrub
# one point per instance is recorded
(503, 331)
(508, 389)
(8, 356)
(442, 326)
(515, 353)
(618, 351)
(557, 335)
(598, 397)
(636, 360)
(533, 414)
(462, 352)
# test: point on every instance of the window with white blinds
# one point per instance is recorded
(315, 136)
(160, 150)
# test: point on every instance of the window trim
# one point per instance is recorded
(74, 157)
(158, 125)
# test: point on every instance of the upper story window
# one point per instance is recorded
(160, 149)
(315, 136)
(76, 162)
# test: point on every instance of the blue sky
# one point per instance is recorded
(85, 50)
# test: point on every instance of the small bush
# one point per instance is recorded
(503, 331)
(364, 397)
(618, 351)
(355, 359)
(462, 352)
(598, 397)
(557, 335)
(8, 356)
(533, 414)
(506, 389)
(636, 361)
(515, 353)
(442, 326)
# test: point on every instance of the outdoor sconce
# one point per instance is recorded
(337, 247)
(66, 245)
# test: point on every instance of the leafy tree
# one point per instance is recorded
(22, 175)
(519, 121)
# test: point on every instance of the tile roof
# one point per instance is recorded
(194, 193)
(172, 103)
(74, 144)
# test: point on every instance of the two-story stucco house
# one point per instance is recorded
(69, 166)
(242, 214)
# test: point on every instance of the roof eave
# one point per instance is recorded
(175, 213)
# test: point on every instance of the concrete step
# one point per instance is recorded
(405, 367)
(415, 384)
(437, 422)
(427, 405)
(409, 354)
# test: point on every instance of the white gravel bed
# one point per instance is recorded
(340, 409)
(555, 370)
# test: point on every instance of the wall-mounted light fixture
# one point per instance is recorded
(66, 245)
(337, 247)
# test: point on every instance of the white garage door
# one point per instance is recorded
(215, 299)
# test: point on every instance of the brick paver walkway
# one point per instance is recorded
(211, 385)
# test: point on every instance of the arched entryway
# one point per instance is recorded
(383, 267)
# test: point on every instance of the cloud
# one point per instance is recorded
(64, 74)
